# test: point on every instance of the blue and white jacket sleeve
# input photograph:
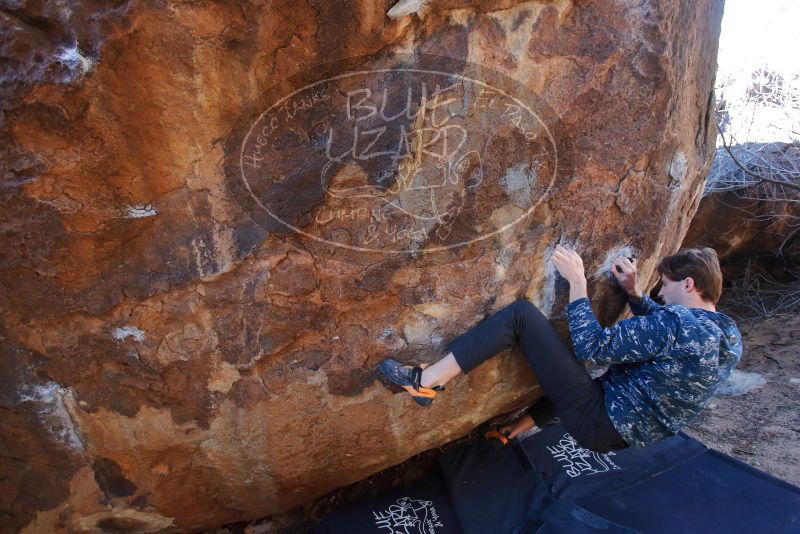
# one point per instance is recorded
(637, 339)
(644, 306)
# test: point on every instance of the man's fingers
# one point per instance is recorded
(627, 263)
(560, 258)
(564, 253)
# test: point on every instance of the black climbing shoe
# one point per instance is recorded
(407, 377)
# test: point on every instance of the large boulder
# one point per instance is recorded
(747, 214)
(212, 229)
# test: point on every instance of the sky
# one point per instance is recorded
(763, 31)
(756, 34)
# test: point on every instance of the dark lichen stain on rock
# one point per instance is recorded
(108, 475)
(350, 382)
(140, 502)
(248, 392)
(122, 525)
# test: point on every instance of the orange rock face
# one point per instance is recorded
(217, 217)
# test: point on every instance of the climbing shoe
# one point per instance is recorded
(496, 434)
(407, 377)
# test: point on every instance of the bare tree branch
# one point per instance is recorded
(757, 176)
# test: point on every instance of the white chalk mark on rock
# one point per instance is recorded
(52, 412)
(547, 294)
(386, 333)
(419, 330)
(137, 212)
(121, 333)
(403, 8)
(73, 58)
(518, 183)
(605, 268)
(678, 168)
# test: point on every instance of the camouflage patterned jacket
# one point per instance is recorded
(666, 363)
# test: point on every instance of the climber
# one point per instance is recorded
(665, 363)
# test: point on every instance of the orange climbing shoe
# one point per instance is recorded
(407, 377)
(496, 434)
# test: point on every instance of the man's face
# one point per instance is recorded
(672, 292)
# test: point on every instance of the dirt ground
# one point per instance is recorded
(760, 427)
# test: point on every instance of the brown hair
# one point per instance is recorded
(701, 264)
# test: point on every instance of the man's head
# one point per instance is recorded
(691, 276)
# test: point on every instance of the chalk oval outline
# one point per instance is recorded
(349, 74)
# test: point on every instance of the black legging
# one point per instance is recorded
(571, 393)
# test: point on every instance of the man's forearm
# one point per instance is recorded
(577, 290)
(642, 304)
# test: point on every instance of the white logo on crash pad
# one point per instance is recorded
(577, 461)
(408, 516)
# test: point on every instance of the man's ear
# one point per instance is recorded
(688, 284)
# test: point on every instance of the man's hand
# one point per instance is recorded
(569, 265)
(517, 427)
(624, 270)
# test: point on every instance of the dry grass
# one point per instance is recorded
(756, 294)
